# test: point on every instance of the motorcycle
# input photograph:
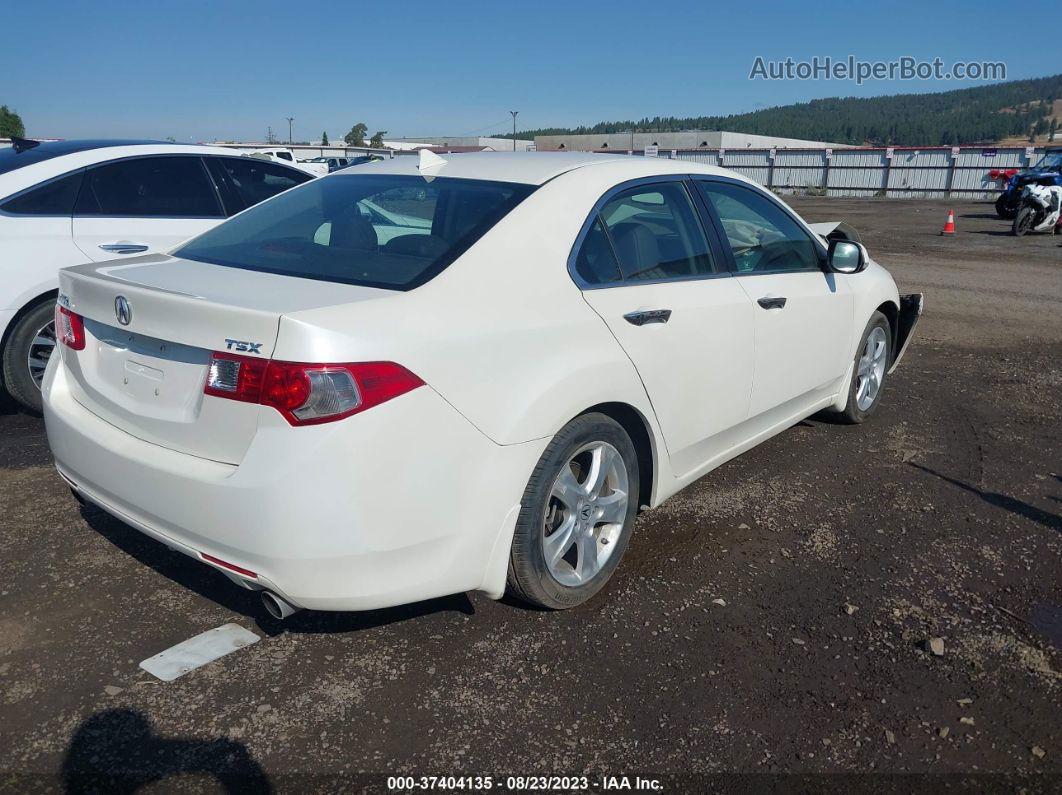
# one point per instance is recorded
(1040, 210)
(1048, 171)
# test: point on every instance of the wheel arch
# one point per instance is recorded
(637, 427)
(21, 313)
(891, 311)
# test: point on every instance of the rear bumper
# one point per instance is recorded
(405, 502)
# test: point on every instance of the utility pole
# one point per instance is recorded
(514, 112)
(290, 120)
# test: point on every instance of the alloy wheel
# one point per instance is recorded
(870, 369)
(40, 351)
(585, 514)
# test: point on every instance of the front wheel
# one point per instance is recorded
(25, 356)
(576, 516)
(869, 374)
(1023, 222)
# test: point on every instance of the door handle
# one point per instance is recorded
(648, 316)
(771, 301)
(124, 248)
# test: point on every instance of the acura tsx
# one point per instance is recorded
(426, 376)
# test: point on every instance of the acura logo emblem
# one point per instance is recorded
(122, 310)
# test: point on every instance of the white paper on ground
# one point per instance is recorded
(198, 651)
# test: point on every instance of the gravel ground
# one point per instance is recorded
(775, 617)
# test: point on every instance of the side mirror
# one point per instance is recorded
(846, 257)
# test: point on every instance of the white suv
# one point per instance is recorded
(67, 202)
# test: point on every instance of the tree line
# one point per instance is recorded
(969, 115)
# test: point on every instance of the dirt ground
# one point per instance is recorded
(772, 618)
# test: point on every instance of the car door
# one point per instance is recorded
(143, 205)
(648, 268)
(803, 315)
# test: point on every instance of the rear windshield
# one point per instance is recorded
(389, 231)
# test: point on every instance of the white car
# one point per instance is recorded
(344, 423)
(284, 155)
(66, 202)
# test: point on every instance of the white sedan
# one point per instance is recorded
(347, 415)
(66, 202)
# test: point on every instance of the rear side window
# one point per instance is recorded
(245, 181)
(149, 187)
(647, 233)
(389, 231)
(53, 198)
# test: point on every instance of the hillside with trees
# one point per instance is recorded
(1019, 109)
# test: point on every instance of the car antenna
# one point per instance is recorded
(430, 160)
(22, 144)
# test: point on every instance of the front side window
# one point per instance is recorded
(762, 236)
(389, 231)
(53, 198)
(149, 187)
(647, 233)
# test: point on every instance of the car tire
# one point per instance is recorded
(870, 360)
(18, 378)
(1023, 221)
(566, 499)
(1002, 210)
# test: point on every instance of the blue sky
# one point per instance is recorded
(225, 70)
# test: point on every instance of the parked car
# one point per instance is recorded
(65, 202)
(280, 154)
(333, 163)
(345, 423)
(1046, 172)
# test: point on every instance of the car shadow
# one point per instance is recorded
(118, 751)
(1007, 503)
(215, 586)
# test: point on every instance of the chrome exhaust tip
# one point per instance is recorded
(277, 607)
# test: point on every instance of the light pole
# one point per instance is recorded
(290, 120)
(514, 112)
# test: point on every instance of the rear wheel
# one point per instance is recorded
(29, 347)
(576, 516)
(1023, 222)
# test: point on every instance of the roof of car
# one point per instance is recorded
(17, 157)
(532, 168)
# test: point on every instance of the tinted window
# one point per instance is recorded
(283, 155)
(153, 187)
(646, 233)
(53, 198)
(245, 181)
(762, 235)
(388, 231)
(11, 158)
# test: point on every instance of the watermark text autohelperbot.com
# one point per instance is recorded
(851, 68)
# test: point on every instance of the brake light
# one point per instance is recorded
(69, 328)
(308, 393)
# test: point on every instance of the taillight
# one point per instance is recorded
(308, 393)
(69, 328)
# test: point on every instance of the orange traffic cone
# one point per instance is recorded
(949, 227)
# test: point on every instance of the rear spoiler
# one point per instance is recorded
(835, 230)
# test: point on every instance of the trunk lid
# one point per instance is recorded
(147, 376)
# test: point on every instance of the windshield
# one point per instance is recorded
(389, 231)
(1052, 160)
